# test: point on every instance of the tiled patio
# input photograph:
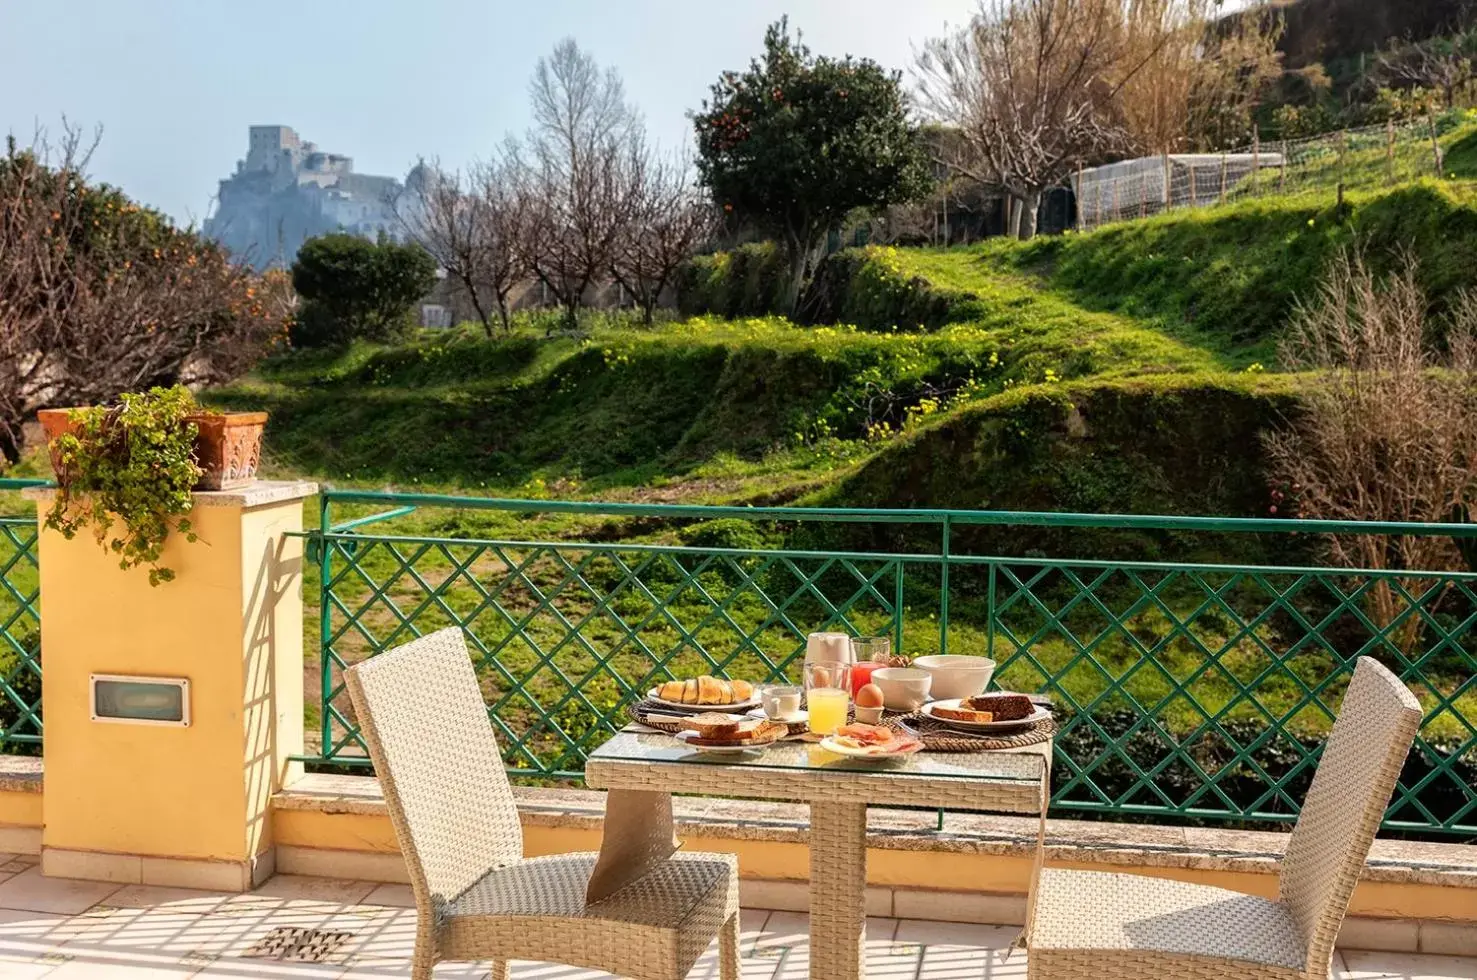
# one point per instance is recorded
(60, 929)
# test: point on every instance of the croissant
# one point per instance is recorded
(706, 689)
(710, 691)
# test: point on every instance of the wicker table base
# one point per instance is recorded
(838, 886)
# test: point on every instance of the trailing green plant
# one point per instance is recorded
(131, 464)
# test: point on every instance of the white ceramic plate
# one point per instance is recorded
(1040, 714)
(830, 744)
(737, 706)
(798, 718)
(720, 749)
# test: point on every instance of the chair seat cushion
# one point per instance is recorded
(656, 926)
(1098, 914)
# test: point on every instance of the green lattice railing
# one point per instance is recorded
(20, 631)
(1186, 690)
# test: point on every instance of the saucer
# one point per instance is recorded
(798, 718)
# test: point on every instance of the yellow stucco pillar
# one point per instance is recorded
(172, 804)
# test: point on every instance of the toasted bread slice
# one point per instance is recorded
(716, 725)
(1005, 707)
(762, 734)
(962, 714)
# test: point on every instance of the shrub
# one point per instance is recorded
(353, 288)
(869, 288)
(725, 532)
(747, 281)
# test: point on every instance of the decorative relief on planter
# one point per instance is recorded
(228, 449)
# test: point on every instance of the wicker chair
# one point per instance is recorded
(477, 897)
(1086, 923)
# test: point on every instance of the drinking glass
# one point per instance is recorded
(827, 694)
(870, 653)
(871, 649)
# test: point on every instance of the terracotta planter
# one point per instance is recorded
(228, 445)
(228, 448)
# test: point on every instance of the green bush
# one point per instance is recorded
(747, 281)
(870, 288)
(726, 532)
(353, 288)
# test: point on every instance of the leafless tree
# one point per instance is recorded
(1036, 88)
(1446, 64)
(97, 298)
(1027, 83)
(669, 218)
(1385, 433)
(469, 226)
(575, 174)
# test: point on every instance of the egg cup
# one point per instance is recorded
(869, 716)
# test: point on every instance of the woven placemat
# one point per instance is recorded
(641, 713)
(938, 737)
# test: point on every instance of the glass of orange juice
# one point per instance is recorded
(827, 695)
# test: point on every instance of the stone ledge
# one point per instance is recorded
(258, 494)
(1091, 842)
(20, 773)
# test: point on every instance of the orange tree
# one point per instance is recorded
(797, 142)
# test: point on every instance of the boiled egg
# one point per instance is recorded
(869, 696)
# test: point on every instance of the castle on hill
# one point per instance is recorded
(287, 190)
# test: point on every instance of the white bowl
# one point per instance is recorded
(903, 688)
(956, 675)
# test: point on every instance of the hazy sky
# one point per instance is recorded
(175, 83)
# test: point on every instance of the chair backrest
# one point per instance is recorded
(1341, 814)
(421, 713)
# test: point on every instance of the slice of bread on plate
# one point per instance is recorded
(1004, 706)
(962, 713)
(717, 725)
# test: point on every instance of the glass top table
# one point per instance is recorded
(658, 749)
(642, 768)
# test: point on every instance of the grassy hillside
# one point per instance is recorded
(1127, 369)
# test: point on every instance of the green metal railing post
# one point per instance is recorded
(944, 586)
(325, 618)
(990, 613)
(897, 608)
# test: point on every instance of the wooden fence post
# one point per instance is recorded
(1389, 151)
(1282, 171)
(1079, 195)
(1194, 194)
(1256, 161)
(1168, 182)
(1223, 176)
(1343, 152)
(1435, 143)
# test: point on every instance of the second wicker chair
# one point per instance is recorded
(477, 897)
(1093, 924)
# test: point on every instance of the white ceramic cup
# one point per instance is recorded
(780, 701)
